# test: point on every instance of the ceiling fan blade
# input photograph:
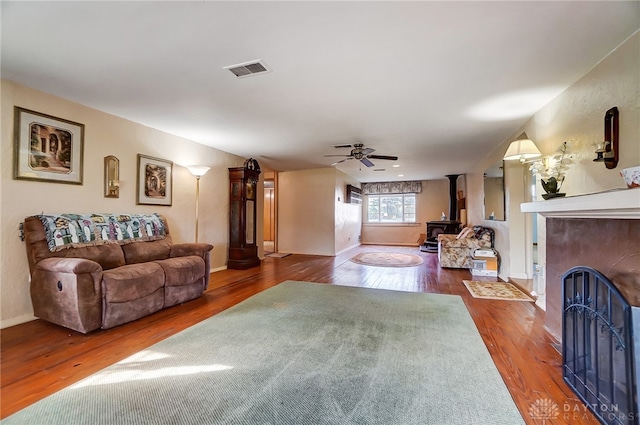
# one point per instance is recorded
(367, 151)
(366, 162)
(342, 160)
(336, 155)
(391, 158)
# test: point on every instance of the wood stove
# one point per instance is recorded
(434, 228)
(451, 226)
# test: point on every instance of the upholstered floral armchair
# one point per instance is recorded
(455, 251)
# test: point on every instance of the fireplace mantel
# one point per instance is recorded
(618, 204)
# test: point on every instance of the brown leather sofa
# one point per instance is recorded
(103, 286)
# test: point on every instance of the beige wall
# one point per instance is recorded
(306, 210)
(313, 217)
(430, 203)
(576, 114)
(519, 240)
(348, 217)
(104, 135)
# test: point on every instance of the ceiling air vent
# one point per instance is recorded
(248, 69)
(342, 146)
(378, 169)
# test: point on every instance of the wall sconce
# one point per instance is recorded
(111, 177)
(198, 171)
(607, 152)
(522, 150)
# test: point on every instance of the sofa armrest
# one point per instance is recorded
(451, 241)
(447, 237)
(67, 291)
(199, 249)
(68, 265)
(51, 268)
(186, 249)
(468, 243)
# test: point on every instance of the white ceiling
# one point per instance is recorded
(439, 84)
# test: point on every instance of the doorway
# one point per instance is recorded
(539, 283)
(269, 215)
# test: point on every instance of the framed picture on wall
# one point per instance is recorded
(154, 182)
(47, 148)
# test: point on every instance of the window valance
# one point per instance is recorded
(391, 187)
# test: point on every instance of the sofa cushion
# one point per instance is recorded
(131, 282)
(115, 314)
(142, 252)
(467, 232)
(108, 256)
(182, 270)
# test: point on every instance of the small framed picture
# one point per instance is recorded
(47, 148)
(154, 182)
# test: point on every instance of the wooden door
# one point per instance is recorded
(269, 214)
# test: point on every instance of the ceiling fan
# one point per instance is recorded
(362, 154)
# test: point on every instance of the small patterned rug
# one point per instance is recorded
(278, 254)
(495, 291)
(387, 259)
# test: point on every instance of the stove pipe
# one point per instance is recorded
(453, 196)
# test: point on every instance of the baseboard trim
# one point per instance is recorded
(347, 249)
(390, 244)
(17, 320)
(217, 269)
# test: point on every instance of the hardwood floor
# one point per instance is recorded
(39, 358)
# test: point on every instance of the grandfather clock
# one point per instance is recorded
(243, 251)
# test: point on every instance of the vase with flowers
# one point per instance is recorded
(552, 170)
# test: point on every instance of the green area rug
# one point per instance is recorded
(302, 353)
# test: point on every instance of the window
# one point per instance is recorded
(391, 208)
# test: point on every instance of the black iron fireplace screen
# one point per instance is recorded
(597, 346)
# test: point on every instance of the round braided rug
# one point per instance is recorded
(387, 259)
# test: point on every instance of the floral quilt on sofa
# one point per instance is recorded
(76, 230)
(455, 251)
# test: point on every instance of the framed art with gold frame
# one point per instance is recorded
(47, 148)
(154, 181)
